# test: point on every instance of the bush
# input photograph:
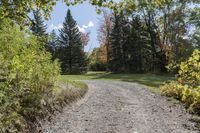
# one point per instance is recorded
(187, 85)
(189, 76)
(191, 98)
(172, 89)
(189, 73)
(27, 77)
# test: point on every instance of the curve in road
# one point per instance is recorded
(121, 107)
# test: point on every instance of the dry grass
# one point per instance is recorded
(196, 119)
(70, 91)
(65, 93)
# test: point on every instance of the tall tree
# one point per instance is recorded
(72, 55)
(38, 27)
(115, 60)
(52, 45)
(119, 39)
(104, 31)
(140, 59)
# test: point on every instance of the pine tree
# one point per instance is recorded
(71, 53)
(38, 27)
(118, 45)
(129, 45)
(52, 45)
(139, 47)
(115, 60)
(125, 42)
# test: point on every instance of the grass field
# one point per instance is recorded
(153, 81)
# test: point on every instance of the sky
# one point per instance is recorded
(85, 16)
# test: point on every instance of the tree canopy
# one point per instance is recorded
(18, 10)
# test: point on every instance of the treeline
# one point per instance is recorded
(150, 38)
(133, 48)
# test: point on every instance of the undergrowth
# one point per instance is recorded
(187, 85)
(28, 82)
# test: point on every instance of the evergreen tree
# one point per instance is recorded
(115, 53)
(52, 45)
(130, 49)
(118, 45)
(139, 47)
(125, 42)
(38, 27)
(71, 51)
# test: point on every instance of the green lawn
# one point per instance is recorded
(153, 81)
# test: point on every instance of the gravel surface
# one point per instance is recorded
(121, 107)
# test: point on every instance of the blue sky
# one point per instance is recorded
(84, 14)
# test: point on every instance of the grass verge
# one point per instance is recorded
(70, 91)
(65, 93)
(152, 81)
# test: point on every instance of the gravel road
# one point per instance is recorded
(121, 107)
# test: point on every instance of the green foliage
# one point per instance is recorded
(134, 47)
(191, 97)
(188, 97)
(116, 62)
(52, 45)
(189, 73)
(17, 10)
(71, 49)
(172, 89)
(139, 48)
(97, 66)
(27, 76)
(97, 59)
(188, 80)
(38, 27)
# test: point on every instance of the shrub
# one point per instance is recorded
(189, 76)
(187, 85)
(172, 89)
(189, 73)
(191, 98)
(27, 77)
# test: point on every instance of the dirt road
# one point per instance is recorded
(121, 107)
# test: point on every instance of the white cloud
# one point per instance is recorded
(90, 24)
(55, 27)
(84, 27)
